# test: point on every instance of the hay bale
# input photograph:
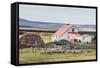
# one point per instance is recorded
(30, 40)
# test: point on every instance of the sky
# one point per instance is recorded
(55, 14)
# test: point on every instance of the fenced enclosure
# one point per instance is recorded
(57, 53)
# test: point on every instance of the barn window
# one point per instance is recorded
(55, 36)
(79, 41)
(73, 29)
(87, 42)
(75, 40)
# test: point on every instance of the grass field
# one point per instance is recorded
(30, 55)
(33, 56)
(46, 39)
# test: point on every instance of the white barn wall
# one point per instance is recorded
(57, 38)
(64, 36)
(87, 39)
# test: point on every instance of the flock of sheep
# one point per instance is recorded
(60, 50)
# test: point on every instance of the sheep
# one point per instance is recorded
(74, 51)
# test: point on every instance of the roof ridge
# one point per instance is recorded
(63, 29)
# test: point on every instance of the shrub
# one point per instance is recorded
(51, 44)
(62, 42)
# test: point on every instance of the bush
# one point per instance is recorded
(62, 42)
(51, 44)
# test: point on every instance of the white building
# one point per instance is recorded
(63, 32)
(86, 38)
(70, 32)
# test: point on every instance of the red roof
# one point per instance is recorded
(73, 35)
(63, 29)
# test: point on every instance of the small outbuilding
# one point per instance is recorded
(86, 38)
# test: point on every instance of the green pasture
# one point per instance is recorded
(46, 39)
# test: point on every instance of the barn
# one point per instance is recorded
(71, 33)
(64, 32)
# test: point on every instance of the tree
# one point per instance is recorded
(62, 42)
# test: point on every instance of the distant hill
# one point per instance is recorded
(49, 25)
(87, 26)
(37, 24)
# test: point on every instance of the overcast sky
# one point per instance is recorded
(67, 15)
